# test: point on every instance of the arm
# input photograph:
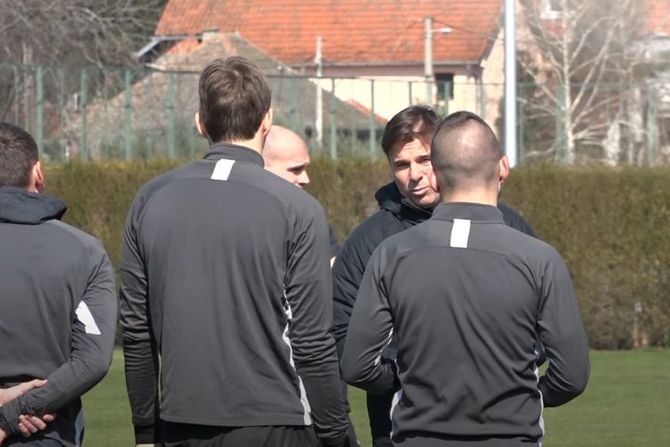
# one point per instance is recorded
(91, 352)
(139, 350)
(562, 333)
(370, 330)
(308, 290)
(347, 276)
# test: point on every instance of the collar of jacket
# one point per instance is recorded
(469, 211)
(234, 152)
(22, 207)
(390, 199)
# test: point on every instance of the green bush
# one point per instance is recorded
(608, 224)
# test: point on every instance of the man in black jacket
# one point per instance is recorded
(58, 304)
(466, 299)
(405, 202)
(225, 278)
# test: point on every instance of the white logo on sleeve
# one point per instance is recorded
(85, 316)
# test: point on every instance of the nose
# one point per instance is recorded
(303, 178)
(416, 172)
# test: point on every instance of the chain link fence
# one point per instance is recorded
(93, 113)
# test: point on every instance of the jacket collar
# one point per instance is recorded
(23, 207)
(234, 152)
(390, 199)
(469, 211)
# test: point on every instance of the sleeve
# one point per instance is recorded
(370, 331)
(308, 295)
(92, 346)
(139, 347)
(347, 276)
(562, 333)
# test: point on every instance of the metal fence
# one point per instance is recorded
(95, 113)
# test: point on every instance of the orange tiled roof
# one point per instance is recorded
(658, 16)
(354, 31)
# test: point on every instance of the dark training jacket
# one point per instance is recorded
(225, 275)
(57, 312)
(396, 214)
(466, 298)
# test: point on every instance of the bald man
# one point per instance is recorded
(286, 155)
(466, 298)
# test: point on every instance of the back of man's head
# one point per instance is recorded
(234, 99)
(18, 155)
(465, 154)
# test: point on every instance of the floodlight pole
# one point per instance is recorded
(428, 58)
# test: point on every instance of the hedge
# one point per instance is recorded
(610, 225)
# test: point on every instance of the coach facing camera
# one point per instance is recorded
(466, 298)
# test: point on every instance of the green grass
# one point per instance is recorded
(627, 404)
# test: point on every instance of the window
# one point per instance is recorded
(444, 82)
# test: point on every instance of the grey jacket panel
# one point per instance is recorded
(58, 314)
(466, 308)
(225, 275)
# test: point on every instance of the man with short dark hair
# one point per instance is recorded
(58, 305)
(408, 200)
(225, 279)
(466, 298)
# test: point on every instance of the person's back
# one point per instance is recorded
(59, 312)
(466, 299)
(225, 276)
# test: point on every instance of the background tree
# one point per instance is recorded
(68, 33)
(580, 56)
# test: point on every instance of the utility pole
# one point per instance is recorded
(319, 92)
(428, 58)
(510, 83)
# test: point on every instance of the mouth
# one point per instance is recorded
(419, 191)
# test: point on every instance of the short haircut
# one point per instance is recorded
(465, 152)
(18, 155)
(234, 98)
(415, 122)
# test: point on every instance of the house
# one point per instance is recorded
(374, 51)
(153, 114)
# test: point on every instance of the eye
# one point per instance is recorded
(400, 165)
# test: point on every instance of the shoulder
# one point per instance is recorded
(512, 218)
(76, 238)
(372, 231)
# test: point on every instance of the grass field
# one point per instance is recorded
(627, 404)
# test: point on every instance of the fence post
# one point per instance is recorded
(333, 121)
(83, 143)
(520, 120)
(447, 94)
(128, 111)
(409, 88)
(170, 113)
(652, 126)
(373, 127)
(39, 103)
(559, 140)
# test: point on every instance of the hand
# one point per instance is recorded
(29, 425)
(9, 394)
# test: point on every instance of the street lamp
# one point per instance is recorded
(428, 54)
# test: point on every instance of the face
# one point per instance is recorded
(411, 169)
(290, 164)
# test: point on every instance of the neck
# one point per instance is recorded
(484, 197)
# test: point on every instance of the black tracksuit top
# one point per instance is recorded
(58, 311)
(225, 276)
(465, 299)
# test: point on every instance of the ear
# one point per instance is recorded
(37, 178)
(433, 180)
(503, 169)
(199, 126)
(266, 124)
